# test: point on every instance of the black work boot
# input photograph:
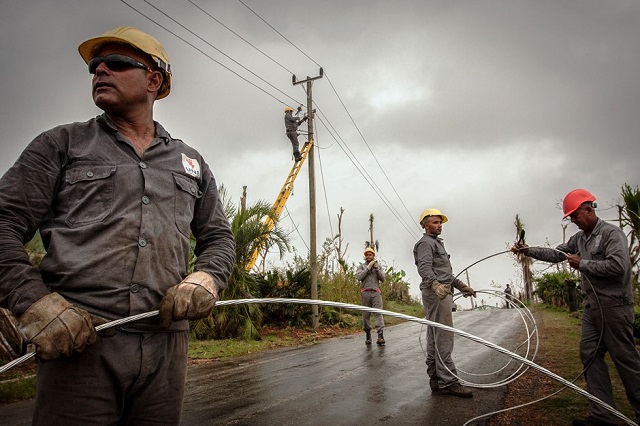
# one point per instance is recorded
(297, 156)
(368, 337)
(380, 340)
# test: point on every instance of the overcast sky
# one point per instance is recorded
(483, 109)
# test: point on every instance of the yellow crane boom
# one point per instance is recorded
(281, 200)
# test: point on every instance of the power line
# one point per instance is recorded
(242, 38)
(207, 55)
(348, 113)
(220, 51)
(324, 188)
(361, 168)
(280, 34)
(367, 144)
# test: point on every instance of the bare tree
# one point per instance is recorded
(524, 261)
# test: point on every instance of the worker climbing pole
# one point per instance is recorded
(291, 124)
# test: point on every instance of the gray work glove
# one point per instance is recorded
(56, 327)
(372, 264)
(192, 299)
(441, 290)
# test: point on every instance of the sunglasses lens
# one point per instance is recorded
(117, 64)
(114, 63)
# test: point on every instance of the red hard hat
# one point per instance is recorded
(574, 199)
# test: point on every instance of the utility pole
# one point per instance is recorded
(469, 284)
(313, 255)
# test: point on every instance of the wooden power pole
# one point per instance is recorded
(313, 255)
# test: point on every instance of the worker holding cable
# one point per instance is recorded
(434, 268)
(599, 251)
(116, 200)
(291, 125)
(371, 275)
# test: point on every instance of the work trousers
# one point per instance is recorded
(372, 299)
(293, 137)
(440, 366)
(618, 340)
(127, 379)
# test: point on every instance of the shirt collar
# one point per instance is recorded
(107, 124)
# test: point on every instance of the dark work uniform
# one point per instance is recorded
(116, 228)
(605, 270)
(291, 124)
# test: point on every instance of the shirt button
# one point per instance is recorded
(135, 288)
(193, 190)
(89, 174)
(145, 200)
(143, 165)
(142, 242)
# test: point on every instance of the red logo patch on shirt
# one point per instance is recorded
(191, 166)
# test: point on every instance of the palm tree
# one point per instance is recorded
(630, 217)
(249, 233)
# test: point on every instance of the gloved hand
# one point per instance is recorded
(193, 298)
(519, 248)
(467, 291)
(441, 290)
(372, 264)
(56, 327)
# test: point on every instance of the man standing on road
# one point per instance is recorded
(509, 296)
(116, 199)
(370, 275)
(291, 124)
(434, 267)
(600, 252)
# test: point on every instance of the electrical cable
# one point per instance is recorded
(219, 51)
(324, 187)
(387, 202)
(586, 366)
(209, 56)
(406, 318)
(369, 179)
(242, 38)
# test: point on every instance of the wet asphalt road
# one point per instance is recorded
(342, 381)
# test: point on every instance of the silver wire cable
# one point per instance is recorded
(396, 315)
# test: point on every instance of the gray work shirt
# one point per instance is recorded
(605, 264)
(370, 278)
(116, 227)
(432, 261)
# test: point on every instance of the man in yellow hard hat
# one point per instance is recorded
(115, 199)
(291, 124)
(371, 275)
(599, 250)
(434, 268)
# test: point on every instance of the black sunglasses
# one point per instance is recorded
(115, 62)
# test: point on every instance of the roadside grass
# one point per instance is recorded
(559, 339)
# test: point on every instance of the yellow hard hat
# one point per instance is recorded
(138, 39)
(369, 250)
(432, 212)
(288, 109)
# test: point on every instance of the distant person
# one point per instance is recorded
(599, 250)
(371, 275)
(434, 267)
(116, 200)
(291, 124)
(509, 296)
